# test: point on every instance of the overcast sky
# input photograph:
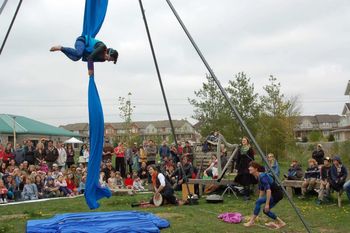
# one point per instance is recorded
(305, 44)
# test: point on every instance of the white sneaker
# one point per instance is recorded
(5, 201)
(1, 201)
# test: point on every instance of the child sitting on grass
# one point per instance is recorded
(128, 181)
(111, 183)
(137, 184)
(3, 192)
(102, 179)
(71, 184)
(50, 189)
(82, 183)
(119, 181)
(62, 186)
(30, 191)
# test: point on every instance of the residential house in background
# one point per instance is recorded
(144, 129)
(323, 123)
(342, 133)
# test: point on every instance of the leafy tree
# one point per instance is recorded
(277, 119)
(243, 96)
(125, 112)
(213, 111)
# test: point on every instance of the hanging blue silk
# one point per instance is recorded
(93, 190)
(95, 11)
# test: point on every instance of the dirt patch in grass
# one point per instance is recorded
(12, 216)
(170, 215)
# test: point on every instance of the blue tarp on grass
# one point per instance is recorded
(99, 222)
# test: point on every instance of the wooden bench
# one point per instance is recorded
(290, 184)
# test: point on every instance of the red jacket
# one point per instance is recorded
(128, 182)
(70, 184)
(119, 151)
(7, 156)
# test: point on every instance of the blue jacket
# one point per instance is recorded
(339, 177)
(275, 167)
(164, 151)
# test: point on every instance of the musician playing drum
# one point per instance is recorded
(161, 187)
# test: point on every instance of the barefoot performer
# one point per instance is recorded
(270, 194)
(90, 50)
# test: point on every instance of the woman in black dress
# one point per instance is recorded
(244, 156)
(70, 156)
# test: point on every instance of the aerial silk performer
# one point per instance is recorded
(92, 50)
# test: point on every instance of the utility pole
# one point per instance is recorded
(14, 131)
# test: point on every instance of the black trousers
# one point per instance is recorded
(120, 166)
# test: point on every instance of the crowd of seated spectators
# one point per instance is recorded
(53, 170)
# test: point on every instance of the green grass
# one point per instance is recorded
(199, 218)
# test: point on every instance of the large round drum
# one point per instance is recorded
(157, 200)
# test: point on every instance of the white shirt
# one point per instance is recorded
(161, 179)
(62, 156)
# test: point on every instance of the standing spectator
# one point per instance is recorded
(136, 159)
(8, 153)
(339, 173)
(325, 184)
(174, 154)
(70, 155)
(188, 152)
(151, 151)
(51, 154)
(39, 153)
(128, 158)
(81, 159)
(19, 154)
(62, 156)
(273, 164)
(120, 159)
(107, 152)
(245, 155)
(29, 152)
(164, 151)
(312, 173)
(142, 155)
(318, 154)
(86, 155)
(179, 150)
(1, 152)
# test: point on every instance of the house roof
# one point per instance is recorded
(24, 125)
(346, 108)
(347, 90)
(120, 125)
(76, 127)
(319, 119)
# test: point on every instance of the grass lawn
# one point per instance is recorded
(199, 218)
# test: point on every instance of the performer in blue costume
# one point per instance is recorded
(93, 50)
(90, 50)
